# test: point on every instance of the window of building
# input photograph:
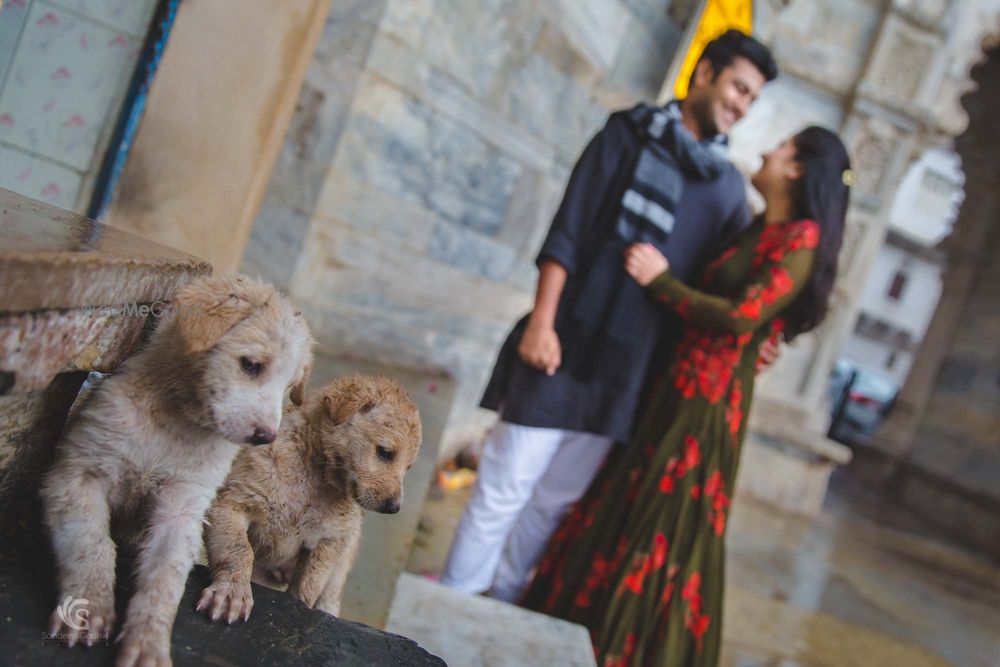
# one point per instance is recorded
(891, 360)
(897, 286)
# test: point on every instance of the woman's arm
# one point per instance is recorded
(771, 288)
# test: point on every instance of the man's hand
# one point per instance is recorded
(540, 348)
(644, 262)
(768, 352)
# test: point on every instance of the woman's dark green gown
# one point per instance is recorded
(639, 561)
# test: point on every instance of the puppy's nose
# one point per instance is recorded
(262, 436)
(389, 506)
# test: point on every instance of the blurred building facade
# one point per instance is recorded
(901, 292)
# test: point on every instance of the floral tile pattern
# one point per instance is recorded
(128, 16)
(38, 179)
(12, 18)
(66, 65)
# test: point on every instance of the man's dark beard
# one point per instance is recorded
(702, 112)
(706, 122)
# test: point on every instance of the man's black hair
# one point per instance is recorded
(732, 44)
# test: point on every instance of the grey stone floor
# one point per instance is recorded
(846, 588)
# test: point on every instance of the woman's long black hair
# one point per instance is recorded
(821, 194)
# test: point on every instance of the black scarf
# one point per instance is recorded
(670, 152)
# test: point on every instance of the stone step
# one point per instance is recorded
(476, 631)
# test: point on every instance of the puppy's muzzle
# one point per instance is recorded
(389, 506)
(261, 436)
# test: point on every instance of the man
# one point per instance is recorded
(569, 377)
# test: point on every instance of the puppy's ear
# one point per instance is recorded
(349, 399)
(298, 391)
(207, 309)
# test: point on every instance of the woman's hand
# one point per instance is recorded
(644, 262)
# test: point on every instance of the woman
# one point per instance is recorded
(640, 559)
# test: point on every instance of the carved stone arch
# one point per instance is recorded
(936, 443)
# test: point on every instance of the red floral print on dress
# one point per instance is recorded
(581, 516)
(626, 657)
(694, 620)
(666, 483)
(677, 468)
(692, 452)
(777, 240)
(750, 308)
(633, 580)
(781, 283)
(660, 548)
(778, 285)
(599, 570)
(776, 328)
(643, 565)
(705, 363)
(734, 411)
(557, 587)
(715, 492)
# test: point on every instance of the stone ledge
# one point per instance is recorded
(54, 259)
(786, 476)
(37, 346)
(785, 462)
(804, 444)
(787, 427)
(281, 630)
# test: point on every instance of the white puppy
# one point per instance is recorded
(155, 440)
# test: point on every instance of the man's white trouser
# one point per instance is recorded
(528, 479)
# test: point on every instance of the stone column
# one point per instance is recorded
(216, 118)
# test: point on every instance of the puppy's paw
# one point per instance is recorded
(281, 575)
(143, 646)
(228, 600)
(82, 620)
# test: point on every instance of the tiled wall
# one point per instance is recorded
(64, 69)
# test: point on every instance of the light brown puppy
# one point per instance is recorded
(295, 506)
(153, 442)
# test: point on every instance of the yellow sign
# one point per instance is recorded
(718, 17)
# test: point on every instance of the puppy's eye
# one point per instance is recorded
(386, 455)
(250, 367)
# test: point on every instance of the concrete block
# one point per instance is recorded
(473, 631)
